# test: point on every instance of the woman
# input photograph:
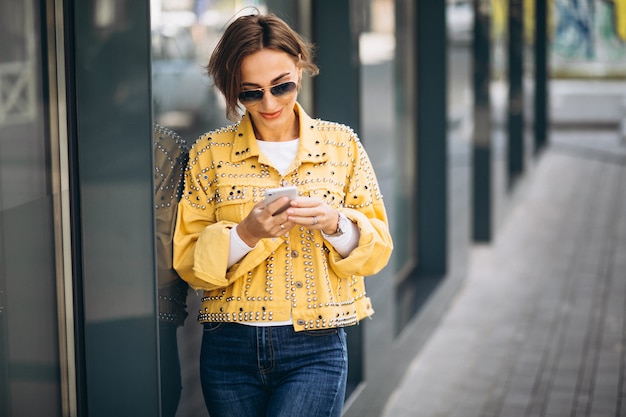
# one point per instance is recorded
(278, 286)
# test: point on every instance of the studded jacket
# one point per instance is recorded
(298, 276)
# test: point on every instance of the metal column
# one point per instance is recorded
(431, 124)
(541, 75)
(516, 91)
(482, 195)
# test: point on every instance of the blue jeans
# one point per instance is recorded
(249, 371)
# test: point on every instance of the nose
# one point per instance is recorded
(268, 99)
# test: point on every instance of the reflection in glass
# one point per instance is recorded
(184, 34)
(182, 96)
(170, 158)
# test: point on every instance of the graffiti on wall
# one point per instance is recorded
(589, 30)
(587, 37)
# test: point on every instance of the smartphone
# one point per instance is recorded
(273, 194)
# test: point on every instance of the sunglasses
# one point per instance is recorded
(278, 90)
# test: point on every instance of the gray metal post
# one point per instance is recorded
(516, 91)
(541, 75)
(431, 124)
(481, 168)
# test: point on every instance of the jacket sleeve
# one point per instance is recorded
(201, 251)
(192, 232)
(363, 205)
(201, 243)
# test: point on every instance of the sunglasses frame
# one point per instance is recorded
(290, 87)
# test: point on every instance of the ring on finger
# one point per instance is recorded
(314, 220)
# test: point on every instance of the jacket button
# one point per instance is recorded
(301, 322)
(298, 284)
(294, 254)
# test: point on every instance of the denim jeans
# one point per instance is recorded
(249, 371)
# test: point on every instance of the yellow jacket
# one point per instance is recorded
(299, 276)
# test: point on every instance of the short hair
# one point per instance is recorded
(245, 36)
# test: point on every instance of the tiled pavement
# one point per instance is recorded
(538, 327)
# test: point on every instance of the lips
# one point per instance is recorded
(271, 115)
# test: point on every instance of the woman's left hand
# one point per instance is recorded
(313, 213)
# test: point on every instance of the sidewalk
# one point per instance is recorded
(538, 327)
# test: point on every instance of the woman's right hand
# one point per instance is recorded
(262, 223)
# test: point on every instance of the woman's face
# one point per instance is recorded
(261, 71)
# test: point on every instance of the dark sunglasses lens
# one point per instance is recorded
(250, 95)
(284, 88)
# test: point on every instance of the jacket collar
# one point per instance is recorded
(311, 148)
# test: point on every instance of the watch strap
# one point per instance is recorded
(341, 226)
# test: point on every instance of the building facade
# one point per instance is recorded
(89, 90)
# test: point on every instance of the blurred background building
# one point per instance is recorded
(454, 101)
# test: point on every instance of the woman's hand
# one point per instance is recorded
(313, 213)
(262, 223)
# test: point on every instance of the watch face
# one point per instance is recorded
(341, 227)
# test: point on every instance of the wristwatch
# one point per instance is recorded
(342, 226)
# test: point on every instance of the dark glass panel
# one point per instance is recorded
(29, 344)
(114, 204)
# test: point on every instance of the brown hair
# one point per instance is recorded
(245, 36)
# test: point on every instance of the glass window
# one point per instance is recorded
(460, 123)
(379, 118)
(112, 203)
(29, 341)
(387, 51)
(184, 34)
